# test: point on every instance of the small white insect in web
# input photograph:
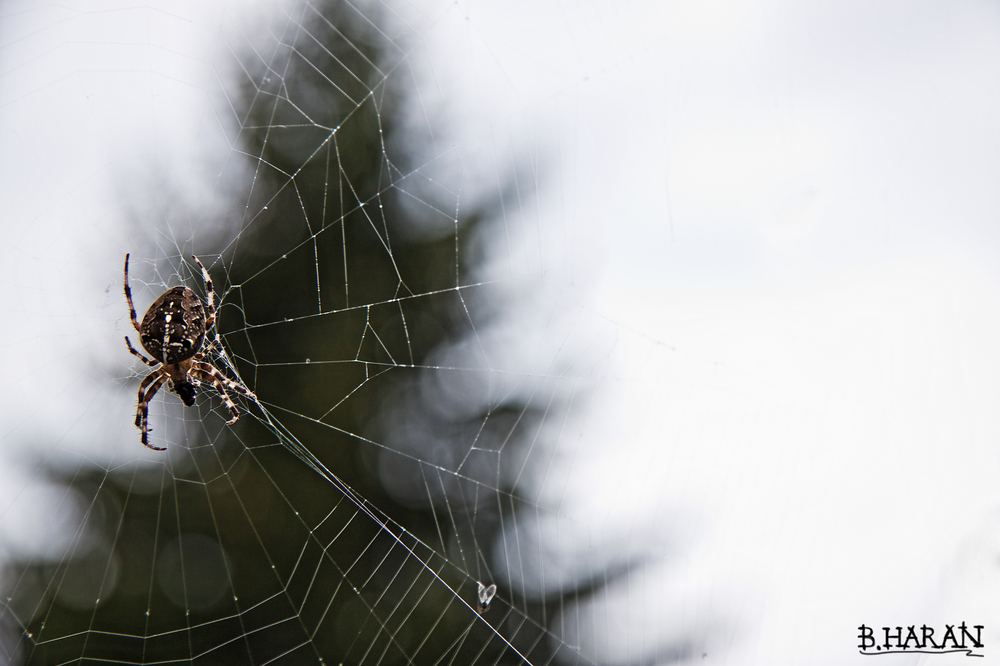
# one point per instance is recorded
(486, 596)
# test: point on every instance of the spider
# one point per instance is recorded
(172, 332)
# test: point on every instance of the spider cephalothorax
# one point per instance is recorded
(173, 331)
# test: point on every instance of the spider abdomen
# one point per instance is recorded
(173, 328)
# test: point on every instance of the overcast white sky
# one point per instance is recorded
(788, 210)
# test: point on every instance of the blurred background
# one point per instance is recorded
(674, 320)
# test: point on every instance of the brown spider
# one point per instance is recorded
(172, 332)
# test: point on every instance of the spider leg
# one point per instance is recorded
(210, 346)
(128, 295)
(153, 382)
(209, 294)
(150, 362)
(210, 298)
(208, 372)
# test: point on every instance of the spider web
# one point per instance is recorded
(351, 515)
(569, 300)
